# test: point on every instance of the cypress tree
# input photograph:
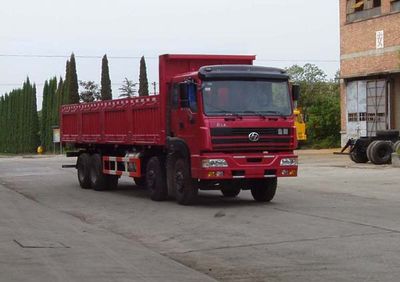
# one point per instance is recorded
(43, 122)
(73, 86)
(35, 140)
(143, 82)
(65, 97)
(106, 92)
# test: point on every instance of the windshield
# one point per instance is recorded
(246, 98)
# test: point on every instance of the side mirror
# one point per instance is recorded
(295, 92)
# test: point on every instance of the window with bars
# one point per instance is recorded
(363, 9)
(395, 5)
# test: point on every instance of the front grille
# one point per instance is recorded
(247, 141)
(244, 131)
(235, 139)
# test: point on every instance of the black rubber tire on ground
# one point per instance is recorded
(83, 169)
(140, 181)
(112, 181)
(369, 150)
(98, 179)
(396, 147)
(264, 190)
(186, 190)
(156, 180)
(381, 152)
(359, 156)
(228, 191)
(170, 171)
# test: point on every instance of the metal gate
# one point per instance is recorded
(377, 105)
(366, 106)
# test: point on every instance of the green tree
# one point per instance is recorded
(73, 87)
(143, 82)
(128, 88)
(106, 92)
(65, 97)
(320, 103)
(90, 91)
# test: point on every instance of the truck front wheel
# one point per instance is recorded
(83, 167)
(155, 179)
(186, 190)
(264, 190)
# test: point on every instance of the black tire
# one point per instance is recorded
(381, 152)
(140, 181)
(229, 191)
(83, 169)
(359, 156)
(369, 150)
(264, 190)
(396, 147)
(98, 179)
(155, 179)
(186, 190)
(170, 168)
(112, 181)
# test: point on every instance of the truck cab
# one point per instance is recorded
(235, 124)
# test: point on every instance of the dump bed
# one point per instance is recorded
(131, 121)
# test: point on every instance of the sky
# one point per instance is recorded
(37, 37)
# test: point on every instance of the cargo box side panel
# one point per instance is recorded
(69, 129)
(116, 126)
(147, 127)
(91, 127)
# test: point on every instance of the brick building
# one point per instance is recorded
(370, 66)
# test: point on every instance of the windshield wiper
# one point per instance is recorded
(277, 113)
(225, 112)
(256, 113)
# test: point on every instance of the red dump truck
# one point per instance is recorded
(219, 123)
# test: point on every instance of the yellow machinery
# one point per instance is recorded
(300, 125)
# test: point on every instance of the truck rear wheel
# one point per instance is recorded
(83, 168)
(98, 179)
(381, 152)
(359, 156)
(155, 179)
(186, 190)
(369, 150)
(264, 190)
(140, 181)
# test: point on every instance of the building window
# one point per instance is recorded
(395, 5)
(363, 9)
(352, 117)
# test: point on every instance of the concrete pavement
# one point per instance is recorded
(38, 243)
(338, 221)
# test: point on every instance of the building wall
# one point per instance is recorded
(361, 60)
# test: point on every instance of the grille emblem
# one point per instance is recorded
(254, 137)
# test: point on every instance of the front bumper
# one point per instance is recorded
(243, 166)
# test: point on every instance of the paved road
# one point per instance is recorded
(336, 222)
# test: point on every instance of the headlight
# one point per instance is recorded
(214, 163)
(289, 162)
